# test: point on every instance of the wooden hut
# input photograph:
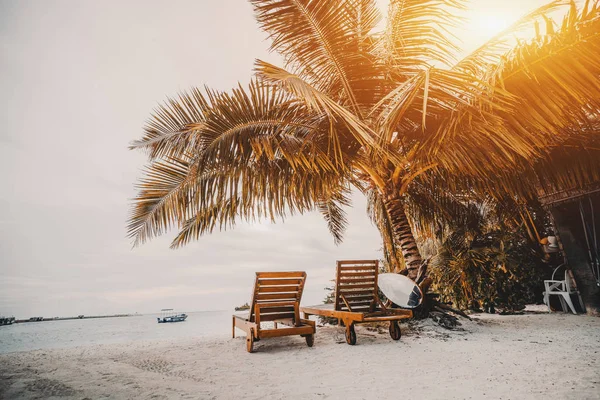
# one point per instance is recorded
(576, 218)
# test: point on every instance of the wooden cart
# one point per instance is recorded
(357, 300)
(276, 297)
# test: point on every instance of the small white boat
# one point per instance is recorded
(168, 315)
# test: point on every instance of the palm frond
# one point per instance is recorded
(174, 125)
(241, 134)
(332, 210)
(546, 87)
(326, 42)
(556, 79)
(478, 62)
(267, 189)
(318, 101)
(417, 34)
(163, 198)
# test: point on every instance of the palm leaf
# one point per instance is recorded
(478, 62)
(326, 43)
(334, 214)
(255, 129)
(317, 101)
(417, 34)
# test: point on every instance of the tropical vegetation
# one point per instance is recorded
(390, 113)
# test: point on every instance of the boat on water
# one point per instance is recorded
(244, 307)
(168, 315)
(7, 320)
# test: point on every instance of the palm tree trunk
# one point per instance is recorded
(416, 268)
(402, 232)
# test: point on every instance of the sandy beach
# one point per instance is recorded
(528, 356)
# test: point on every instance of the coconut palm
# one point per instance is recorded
(389, 113)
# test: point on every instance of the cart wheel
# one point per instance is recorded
(395, 332)
(350, 334)
(310, 340)
(250, 341)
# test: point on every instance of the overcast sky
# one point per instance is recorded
(78, 79)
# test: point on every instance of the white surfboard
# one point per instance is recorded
(400, 289)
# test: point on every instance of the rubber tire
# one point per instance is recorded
(250, 341)
(350, 335)
(395, 332)
(310, 340)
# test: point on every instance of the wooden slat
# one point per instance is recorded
(358, 298)
(352, 301)
(327, 310)
(303, 329)
(370, 277)
(388, 312)
(357, 268)
(269, 310)
(336, 295)
(389, 317)
(376, 292)
(288, 274)
(356, 278)
(276, 296)
(356, 292)
(357, 274)
(371, 262)
(348, 306)
(357, 309)
(357, 281)
(279, 282)
(253, 301)
(276, 303)
(278, 289)
(344, 286)
(273, 317)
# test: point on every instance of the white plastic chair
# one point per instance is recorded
(563, 289)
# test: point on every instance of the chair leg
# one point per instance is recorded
(568, 300)
(563, 304)
(547, 301)
(581, 302)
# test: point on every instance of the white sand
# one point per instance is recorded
(498, 357)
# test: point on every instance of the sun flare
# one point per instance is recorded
(489, 25)
(483, 24)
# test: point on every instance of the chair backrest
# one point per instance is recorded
(568, 284)
(356, 285)
(279, 295)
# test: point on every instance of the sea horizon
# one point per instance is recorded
(57, 334)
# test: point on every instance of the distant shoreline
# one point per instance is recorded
(42, 319)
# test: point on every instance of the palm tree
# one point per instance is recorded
(390, 113)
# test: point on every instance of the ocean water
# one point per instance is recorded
(83, 332)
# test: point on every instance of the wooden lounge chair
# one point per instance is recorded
(276, 297)
(357, 300)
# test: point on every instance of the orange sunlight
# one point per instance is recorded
(488, 25)
(484, 20)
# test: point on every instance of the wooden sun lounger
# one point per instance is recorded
(276, 297)
(357, 300)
